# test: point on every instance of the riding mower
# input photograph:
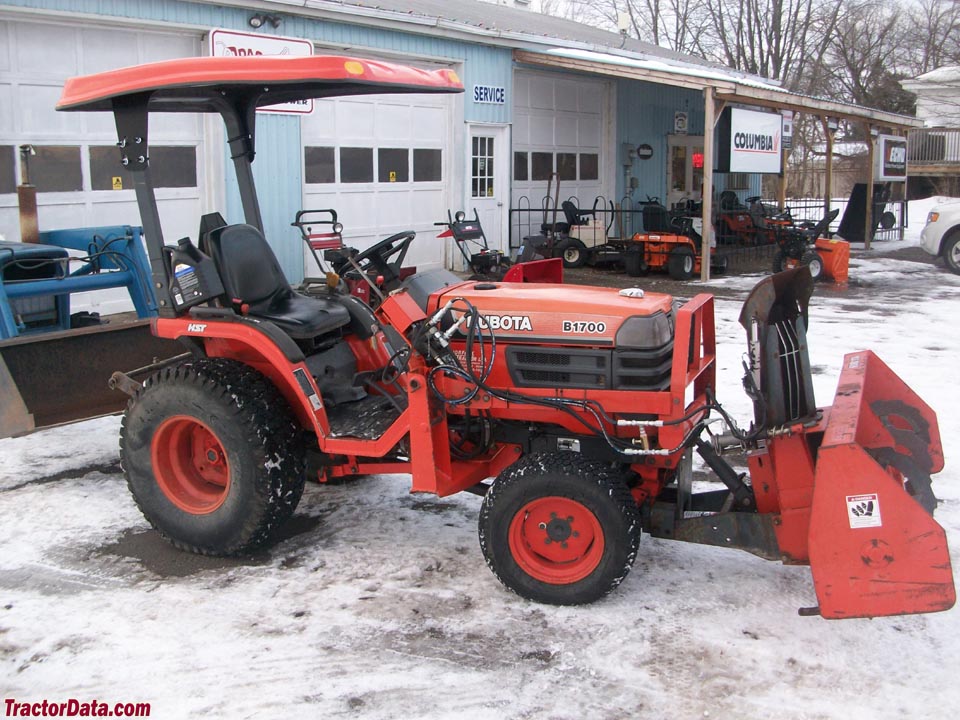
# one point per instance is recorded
(584, 404)
(756, 223)
(795, 246)
(668, 243)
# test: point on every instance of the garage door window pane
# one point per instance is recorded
(520, 171)
(542, 165)
(393, 165)
(56, 168)
(356, 165)
(173, 167)
(8, 172)
(589, 166)
(105, 166)
(427, 165)
(567, 166)
(320, 165)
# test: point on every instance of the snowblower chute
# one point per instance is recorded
(849, 485)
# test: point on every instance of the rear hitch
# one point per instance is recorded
(123, 381)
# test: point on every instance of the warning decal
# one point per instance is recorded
(863, 511)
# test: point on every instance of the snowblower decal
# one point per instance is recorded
(863, 511)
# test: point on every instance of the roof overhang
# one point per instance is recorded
(731, 87)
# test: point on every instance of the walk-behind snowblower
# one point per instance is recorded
(799, 245)
(582, 403)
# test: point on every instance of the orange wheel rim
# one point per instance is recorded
(190, 465)
(556, 540)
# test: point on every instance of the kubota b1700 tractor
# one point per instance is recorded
(583, 404)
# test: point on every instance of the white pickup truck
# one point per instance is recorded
(941, 235)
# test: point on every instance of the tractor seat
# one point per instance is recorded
(251, 275)
(574, 215)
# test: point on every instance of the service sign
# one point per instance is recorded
(750, 141)
(229, 43)
(891, 158)
(489, 95)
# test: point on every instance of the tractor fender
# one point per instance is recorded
(261, 345)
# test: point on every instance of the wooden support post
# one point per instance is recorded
(868, 215)
(782, 180)
(828, 175)
(707, 194)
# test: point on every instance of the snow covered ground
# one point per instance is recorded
(379, 605)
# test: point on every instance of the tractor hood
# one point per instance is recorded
(567, 314)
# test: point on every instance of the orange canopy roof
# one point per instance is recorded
(195, 84)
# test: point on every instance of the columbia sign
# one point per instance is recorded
(756, 141)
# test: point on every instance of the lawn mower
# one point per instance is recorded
(669, 242)
(795, 245)
(756, 223)
(583, 404)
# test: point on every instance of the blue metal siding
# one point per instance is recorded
(277, 172)
(645, 115)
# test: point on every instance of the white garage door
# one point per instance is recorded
(384, 164)
(560, 126)
(76, 157)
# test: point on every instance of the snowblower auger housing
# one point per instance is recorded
(584, 404)
(849, 485)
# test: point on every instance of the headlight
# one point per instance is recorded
(932, 216)
(644, 332)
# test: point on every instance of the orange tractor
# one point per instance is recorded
(574, 411)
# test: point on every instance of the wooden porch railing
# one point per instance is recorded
(934, 151)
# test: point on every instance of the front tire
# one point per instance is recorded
(814, 263)
(951, 251)
(573, 252)
(559, 529)
(680, 263)
(212, 456)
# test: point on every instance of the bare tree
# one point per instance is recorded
(869, 55)
(777, 39)
(934, 34)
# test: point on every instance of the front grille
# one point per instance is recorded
(559, 367)
(643, 369)
(637, 370)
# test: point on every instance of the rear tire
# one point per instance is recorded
(779, 262)
(680, 263)
(573, 252)
(951, 251)
(814, 263)
(634, 265)
(559, 529)
(213, 456)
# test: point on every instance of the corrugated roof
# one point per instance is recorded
(507, 20)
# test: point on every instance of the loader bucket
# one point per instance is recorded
(61, 377)
(875, 548)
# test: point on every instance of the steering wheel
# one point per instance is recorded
(386, 257)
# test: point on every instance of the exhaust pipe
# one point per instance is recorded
(27, 199)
